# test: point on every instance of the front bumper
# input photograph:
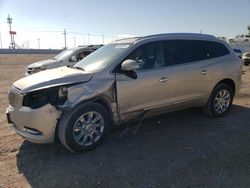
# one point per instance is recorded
(35, 125)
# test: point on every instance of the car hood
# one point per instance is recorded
(52, 78)
(46, 62)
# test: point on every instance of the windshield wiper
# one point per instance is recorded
(79, 68)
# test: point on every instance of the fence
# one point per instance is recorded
(29, 51)
(245, 47)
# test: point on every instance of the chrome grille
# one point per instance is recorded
(15, 97)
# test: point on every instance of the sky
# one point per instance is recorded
(92, 21)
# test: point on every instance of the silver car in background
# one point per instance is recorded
(125, 80)
(246, 58)
(68, 57)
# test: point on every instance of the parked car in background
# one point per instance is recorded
(124, 80)
(68, 57)
(222, 38)
(246, 58)
(240, 38)
(238, 52)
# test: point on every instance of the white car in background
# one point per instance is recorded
(68, 57)
(222, 38)
(240, 38)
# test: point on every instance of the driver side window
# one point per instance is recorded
(148, 56)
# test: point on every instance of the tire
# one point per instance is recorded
(245, 63)
(219, 108)
(84, 128)
(246, 40)
(231, 41)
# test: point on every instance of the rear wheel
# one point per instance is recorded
(84, 128)
(220, 101)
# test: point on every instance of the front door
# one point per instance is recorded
(150, 86)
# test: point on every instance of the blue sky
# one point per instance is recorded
(111, 18)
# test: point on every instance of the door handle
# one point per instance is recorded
(204, 72)
(164, 79)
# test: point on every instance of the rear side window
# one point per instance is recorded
(179, 51)
(186, 51)
(214, 49)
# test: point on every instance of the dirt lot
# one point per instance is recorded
(182, 149)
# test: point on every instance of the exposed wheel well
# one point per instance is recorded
(229, 82)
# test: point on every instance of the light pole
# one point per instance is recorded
(88, 39)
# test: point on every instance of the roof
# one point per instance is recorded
(87, 47)
(167, 35)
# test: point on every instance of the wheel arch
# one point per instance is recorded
(100, 100)
(229, 82)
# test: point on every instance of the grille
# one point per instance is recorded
(15, 97)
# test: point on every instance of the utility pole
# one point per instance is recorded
(102, 39)
(83, 40)
(12, 33)
(74, 42)
(65, 39)
(38, 42)
(9, 21)
(1, 40)
(88, 40)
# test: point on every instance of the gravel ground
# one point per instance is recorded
(181, 149)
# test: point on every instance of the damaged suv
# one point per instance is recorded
(122, 81)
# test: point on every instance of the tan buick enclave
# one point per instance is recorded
(122, 81)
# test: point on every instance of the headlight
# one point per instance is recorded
(38, 69)
(54, 96)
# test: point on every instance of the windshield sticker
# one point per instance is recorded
(122, 46)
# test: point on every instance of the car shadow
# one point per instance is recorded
(179, 149)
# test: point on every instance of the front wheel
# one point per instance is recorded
(220, 101)
(84, 128)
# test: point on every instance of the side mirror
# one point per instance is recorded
(130, 65)
(73, 59)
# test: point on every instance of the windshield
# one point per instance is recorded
(64, 54)
(102, 57)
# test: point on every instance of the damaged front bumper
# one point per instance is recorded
(35, 125)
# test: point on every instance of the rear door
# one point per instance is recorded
(190, 74)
